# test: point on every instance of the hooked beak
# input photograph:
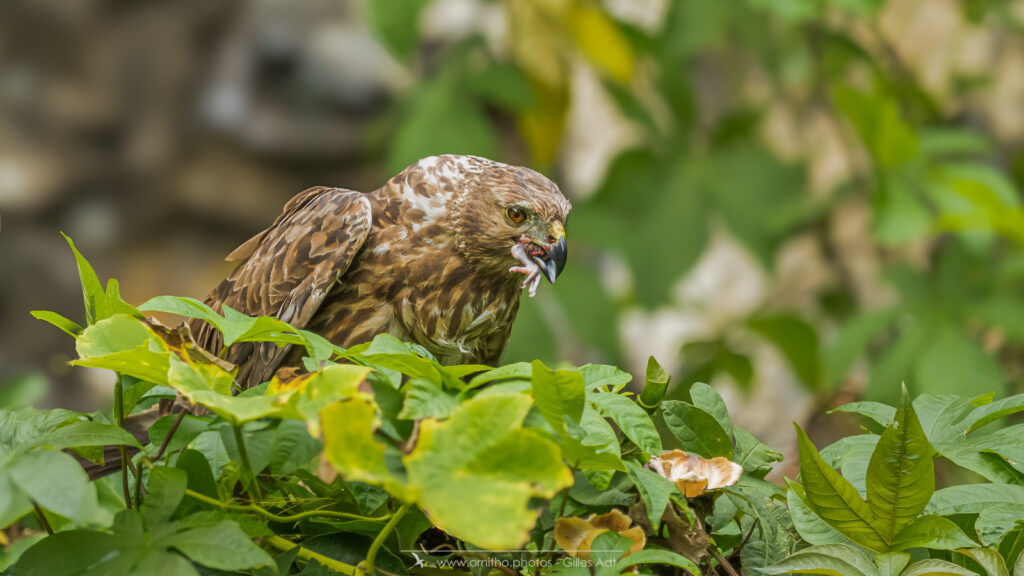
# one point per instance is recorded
(554, 258)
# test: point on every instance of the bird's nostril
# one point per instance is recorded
(551, 239)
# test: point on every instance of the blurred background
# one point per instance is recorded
(802, 202)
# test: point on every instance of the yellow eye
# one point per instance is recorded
(516, 215)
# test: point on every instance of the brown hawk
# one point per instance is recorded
(432, 257)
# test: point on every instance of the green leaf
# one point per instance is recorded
(997, 521)
(425, 399)
(891, 563)
(696, 430)
(935, 567)
(901, 474)
(760, 221)
(852, 454)
(125, 345)
(973, 498)
(831, 559)
(210, 386)
(65, 554)
(606, 550)
(655, 385)
(97, 307)
(304, 397)
(222, 546)
(517, 371)
(755, 457)
(88, 434)
(989, 413)
(56, 482)
(809, 525)
(654, 556)
(852, 340)
(835, 500)
(798, 342)
(183, 306)
(708, 399)
(395, 23)
(165, 490)
(24, 390)
(630, 418)
(890, 140)
(442, 118)
(989, 559)
(238, 327)
(991, 455)
(591, 444)
(933, 532)
(350, 446)
(953, 363)
(293, 447)
(654, 491)
(881, 413)
(503, 85)
(70, 327)
(900, 215)
(475, 472)
(113, 334)
(602, 375)
(165, 564)
(558, 394)
(936, 413)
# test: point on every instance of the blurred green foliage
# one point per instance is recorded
(936, 184)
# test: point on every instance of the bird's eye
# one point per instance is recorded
(516, 215)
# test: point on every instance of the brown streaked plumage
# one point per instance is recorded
(428, 257)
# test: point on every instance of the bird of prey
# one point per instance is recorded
(436, 256)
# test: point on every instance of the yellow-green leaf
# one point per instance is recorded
(602, 43)
(475, 473)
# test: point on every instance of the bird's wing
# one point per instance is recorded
(287, 270)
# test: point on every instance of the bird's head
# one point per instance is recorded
(506, 216)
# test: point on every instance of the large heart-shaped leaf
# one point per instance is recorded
(475, 472)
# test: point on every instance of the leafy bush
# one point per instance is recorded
(379, 458)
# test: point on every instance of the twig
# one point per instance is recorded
(254, 485)
(170, 434)
(371, 554)
(749, 534)
(722, 561)
(282, 519)
(119, 419)
(138, 481)
(306, 554)
(42, 518)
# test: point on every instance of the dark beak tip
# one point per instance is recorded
(556, 262)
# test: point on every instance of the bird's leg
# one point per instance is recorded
(529, 267)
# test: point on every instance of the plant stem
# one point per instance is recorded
(250, 474)
(170, 434)
(282, 519)
(137, 473)
(284, 545)
(42, 518)
(722, 561)
(371, 554)
(119, 419)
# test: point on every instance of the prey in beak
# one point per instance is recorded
(547, 259)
